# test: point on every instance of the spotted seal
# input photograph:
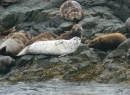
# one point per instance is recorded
(14, 43)
(43, 37)
(75, 31)
(52, 47)
(108, 41)
(71, 10)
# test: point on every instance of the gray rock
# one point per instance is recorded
(81, 48)
(90, 55)
(119, 9)
(122, 48)
(89, 22)
(83, 64)
(66, 26)
(45, 15)
(100, 53)
(25, 60)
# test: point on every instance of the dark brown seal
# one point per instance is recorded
(6, 62)
(71, 10)
(74, 32)
(14, 43)
(109, 41)
(43, 37)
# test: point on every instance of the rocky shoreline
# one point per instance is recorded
(86, 64)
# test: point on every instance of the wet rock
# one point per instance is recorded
(101, 54)
(121, 49)
(8, 2)
(89, 22)
(119, 9)
(92, 3)
(40, 60)
(122, 78)
(66, 26)
(81, 48)
(83, 64)
(46, 15)
(25, 11)
(125, 2)
(6, 62)
(25, 60)
(113, 80)
(90, 55)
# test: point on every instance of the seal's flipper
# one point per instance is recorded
(59, 42)
(24, 51)
(62, 55)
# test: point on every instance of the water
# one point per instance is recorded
(63, 88)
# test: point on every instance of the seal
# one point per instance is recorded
(6, 62)
(43, 37)
(75, 31)
(13, 44)
(105, 42)
(53, 47)
(127, 24)
(71, 10)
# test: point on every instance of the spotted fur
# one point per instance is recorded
(71, 10)
(52, 47)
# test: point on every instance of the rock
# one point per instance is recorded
(66, 26)
(6, 62)
(90, 55)
(119, 9)
(122, 48)
(81, 48)
(8, 2)
(40, 60)
(100, 53)
(123, 2)
(113, 80)
(46, 15)
(37, 28)
(25, 60)
(25, 11)
(89, 22)
(83, 64)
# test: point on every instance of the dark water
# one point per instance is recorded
(56, 87)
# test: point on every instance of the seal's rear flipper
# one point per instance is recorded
(23, 52)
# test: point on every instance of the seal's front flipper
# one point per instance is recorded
(59, 42)
(62, 55)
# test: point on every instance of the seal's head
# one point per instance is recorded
(71, 10)
(76, 40)
(77, 30)
(74, 14)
